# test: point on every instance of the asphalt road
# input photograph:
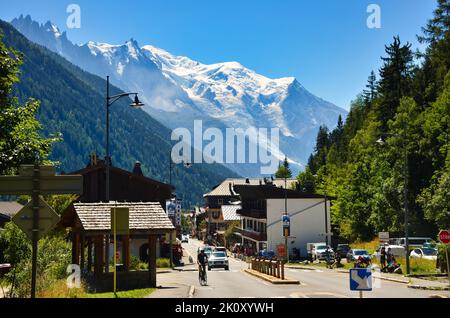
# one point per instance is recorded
(314, 283)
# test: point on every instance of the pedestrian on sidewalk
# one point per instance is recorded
(383, 258)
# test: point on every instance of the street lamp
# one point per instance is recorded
(109, 101)
(382, 142)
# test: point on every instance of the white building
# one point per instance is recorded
(261, 212)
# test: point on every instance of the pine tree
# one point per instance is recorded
(284, 171)
(396, 77)
(439, 25)
(370, 93)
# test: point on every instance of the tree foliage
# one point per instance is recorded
(409, 108)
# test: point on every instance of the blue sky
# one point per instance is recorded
(325, 44)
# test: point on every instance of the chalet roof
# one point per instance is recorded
(226, 187)
(10, 208)
(100, 165)
(143, 215)
(229, 212)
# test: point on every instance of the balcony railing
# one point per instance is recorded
(257, 236)
(253, 213)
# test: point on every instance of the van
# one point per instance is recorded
(413, 242)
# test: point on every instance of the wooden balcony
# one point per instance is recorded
(257, 236)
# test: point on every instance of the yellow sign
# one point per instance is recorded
(123, 220)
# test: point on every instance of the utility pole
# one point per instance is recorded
(405, 193)
(35, 199)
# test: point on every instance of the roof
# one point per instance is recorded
(143, 215)
(271, 192)
(229, 212)
(101, 165)
(10, 208)
(225, 188)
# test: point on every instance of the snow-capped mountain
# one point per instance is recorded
(177, 90)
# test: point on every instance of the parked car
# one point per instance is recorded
(354, 254)
(311, 247)
(266, 253)
(220, 249)
(424, 253)
(321, 250)
(184, 239)
(218, 260)
(396, 250)
(342, 250)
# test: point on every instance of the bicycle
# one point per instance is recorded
(202, 276)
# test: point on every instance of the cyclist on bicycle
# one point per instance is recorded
(202, 260)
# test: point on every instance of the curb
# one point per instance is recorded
(275, 281)
(429, 288)
(191, 291)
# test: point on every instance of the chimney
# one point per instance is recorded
(137, 169)
(247, 180)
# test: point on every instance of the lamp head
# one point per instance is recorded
(137, 103)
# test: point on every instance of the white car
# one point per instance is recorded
(320, 252)
(218, 259)
(424, 253)
(184, 238)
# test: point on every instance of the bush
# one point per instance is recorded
(163, 262)
(54, 254)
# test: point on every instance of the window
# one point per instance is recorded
(220, 201)
(215, 214)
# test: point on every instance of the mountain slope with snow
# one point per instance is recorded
(177, 90)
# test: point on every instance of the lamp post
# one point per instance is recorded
(186, 165)
(405, 191)
(109, 101)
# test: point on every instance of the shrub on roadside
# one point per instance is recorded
(162, 263)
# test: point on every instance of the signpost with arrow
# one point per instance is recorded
(37, 218)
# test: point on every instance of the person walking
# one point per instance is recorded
(383, 258)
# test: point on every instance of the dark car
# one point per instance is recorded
(342, 250)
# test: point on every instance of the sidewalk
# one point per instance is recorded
(412, 282)
(171, 290)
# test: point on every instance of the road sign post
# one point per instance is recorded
(360, 280)
(120, 224)
(36, 180)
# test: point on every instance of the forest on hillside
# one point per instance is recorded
(395, 137)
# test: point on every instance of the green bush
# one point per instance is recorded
(442, 260)
(54, 254)
(162, 263)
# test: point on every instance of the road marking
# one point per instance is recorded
(317, 294)
(319, 271)
(293, 270)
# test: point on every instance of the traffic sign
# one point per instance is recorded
(444, 236)
(286, 225)
(383, 237)
(361, 279)
(48, 218)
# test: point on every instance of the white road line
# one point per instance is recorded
(293, 270)
(319, 271)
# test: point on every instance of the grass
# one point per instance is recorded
(369, 246)
(60, 290)
(135, 293)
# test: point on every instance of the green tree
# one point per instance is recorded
(20, 138)
(395, 79)
(283, 170)
(305, 181)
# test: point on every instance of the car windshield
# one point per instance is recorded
(321, 247)
(429, 251)
(219, 254)
(361, 252)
